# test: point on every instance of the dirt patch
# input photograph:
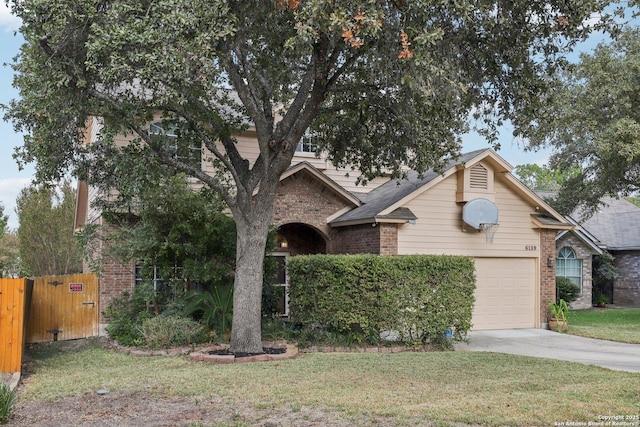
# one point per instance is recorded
(155, 408)
(145, 409)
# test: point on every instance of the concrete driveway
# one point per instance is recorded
(552, 345)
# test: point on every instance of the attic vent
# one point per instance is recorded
(479, 177)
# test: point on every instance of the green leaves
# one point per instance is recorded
(593, 124)
(418, 297)
(48, 245)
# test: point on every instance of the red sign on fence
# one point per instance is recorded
(75, 287)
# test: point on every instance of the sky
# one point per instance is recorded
(12, 180)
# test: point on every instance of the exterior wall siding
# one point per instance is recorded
(357, 239)
(626, 288)
(439, 228)
(586, 255)
(547, 272)
(302, 199)
(115, 278)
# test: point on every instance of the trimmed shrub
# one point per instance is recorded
(172, 331)
(418, 297)
(566, 290)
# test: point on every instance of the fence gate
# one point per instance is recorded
(63, 308)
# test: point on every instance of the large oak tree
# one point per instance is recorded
(386, 84)
(592, 123)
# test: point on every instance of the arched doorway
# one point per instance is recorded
(300, 239)
(293, 239)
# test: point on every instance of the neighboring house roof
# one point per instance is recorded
(385, 203)
(616, 224)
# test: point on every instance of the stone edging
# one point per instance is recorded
(203, 354)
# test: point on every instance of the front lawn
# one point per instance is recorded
(385, 389)
(613, 324)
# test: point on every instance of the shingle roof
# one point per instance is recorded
(393, 191)
(616, 224)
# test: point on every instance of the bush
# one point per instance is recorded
(172, 331)
(126, 313)
(566, 290)
(360, 296)
(8, 399)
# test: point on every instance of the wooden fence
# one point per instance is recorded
(14, 312)
(63, 308)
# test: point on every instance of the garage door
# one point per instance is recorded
(505, 293)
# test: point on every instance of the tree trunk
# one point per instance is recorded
(252, 232)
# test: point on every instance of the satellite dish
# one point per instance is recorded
(478, 213)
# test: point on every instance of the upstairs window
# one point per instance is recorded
(568, 265)
(308, 143)
(189, 152)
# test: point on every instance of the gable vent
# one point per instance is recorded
(479, 177)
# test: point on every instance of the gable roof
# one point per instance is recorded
(328, 182)
(616, 224)
(584, 236)
(385, 203)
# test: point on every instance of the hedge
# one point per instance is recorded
(419, 297)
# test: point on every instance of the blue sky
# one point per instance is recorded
(12, 180)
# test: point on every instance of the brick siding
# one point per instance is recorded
(584, 253)
(626, 288)
(366, 239)
(115, 277)
(301, 198)
(547, 272)
(357, 239)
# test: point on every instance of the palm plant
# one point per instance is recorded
(214, 307)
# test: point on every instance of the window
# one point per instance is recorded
(149, 275)
(308, 143)
(189, 152)
(280, 281)
(569, 266)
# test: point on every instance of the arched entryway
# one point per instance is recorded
(293, 239)
(300, 239)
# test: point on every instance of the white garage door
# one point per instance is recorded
(505, 293)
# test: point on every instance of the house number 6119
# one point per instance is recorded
(531, 248)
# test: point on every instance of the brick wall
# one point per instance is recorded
(547, 272)
(115, 277)
(357, 239)
(388, 238)
(303, 199)
(626, 288)
(584, 253)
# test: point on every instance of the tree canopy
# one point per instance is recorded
(592, 122)
(543, 178)
(386, 85)
(4, 220)
(48, 245)
(182, 233)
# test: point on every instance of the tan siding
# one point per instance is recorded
(439, 227)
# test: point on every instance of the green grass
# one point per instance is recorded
(613, 324)
(444, 387)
